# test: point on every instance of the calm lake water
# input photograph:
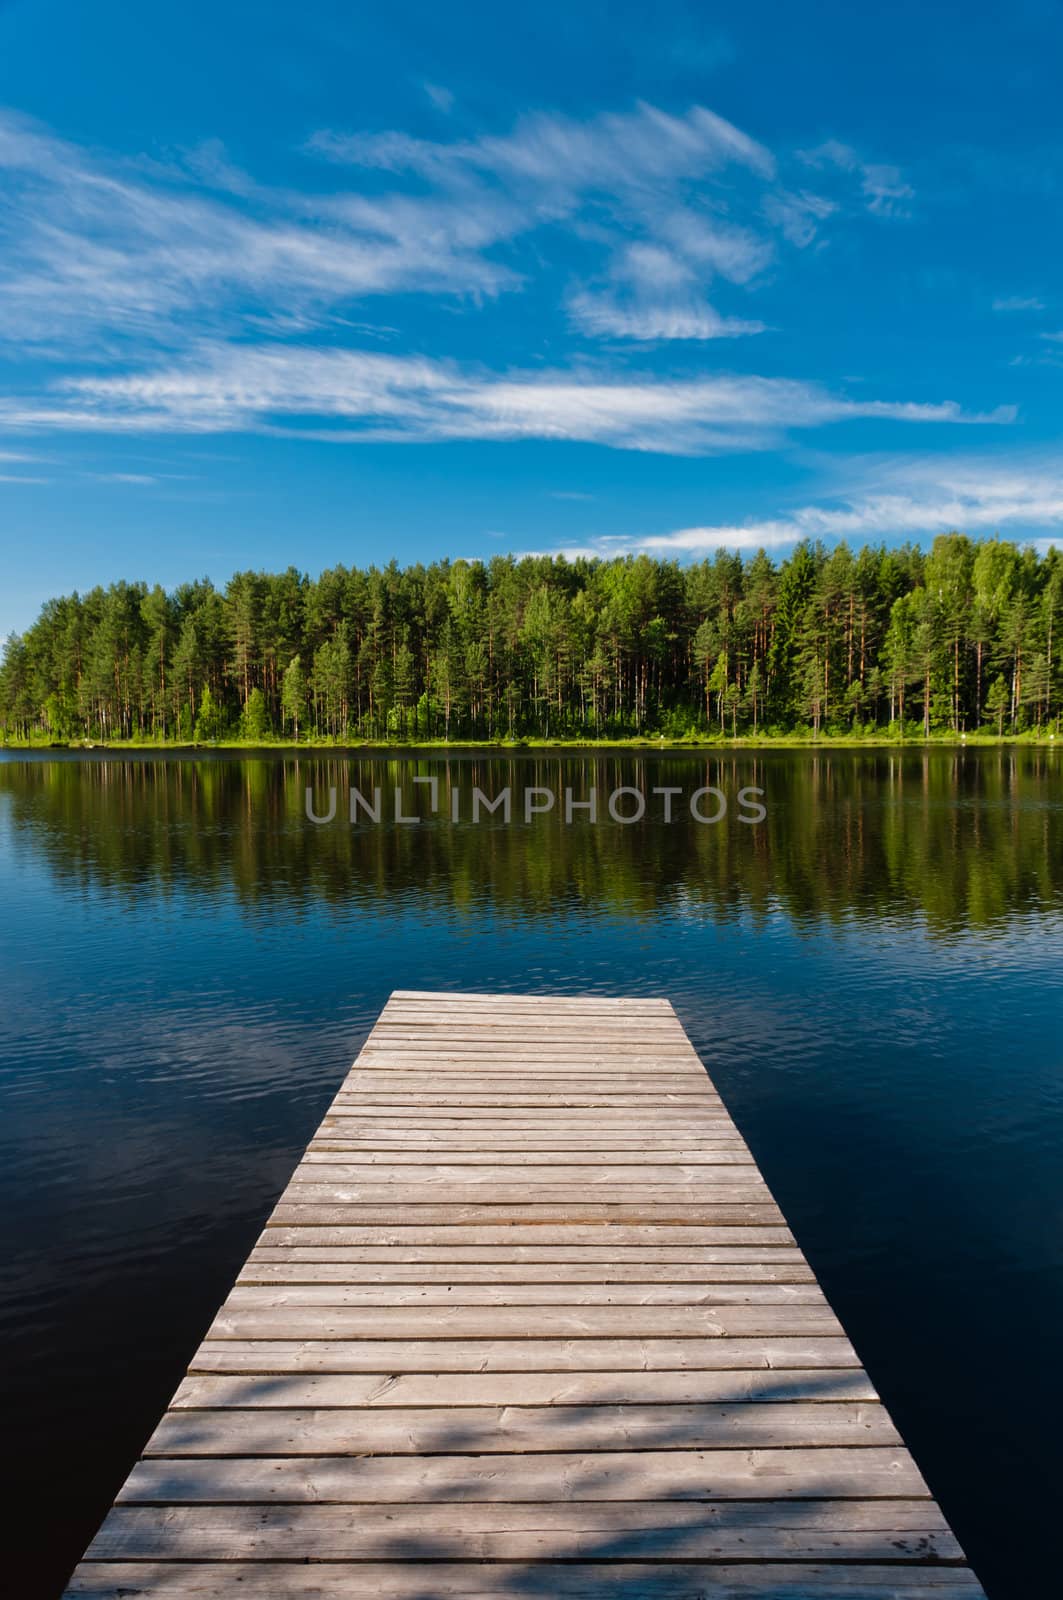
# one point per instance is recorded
(872, 976)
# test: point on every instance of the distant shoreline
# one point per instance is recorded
(318, 747)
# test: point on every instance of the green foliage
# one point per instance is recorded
(824, 643)
(996, 705)
(293, 695)
(210, 721)
(254, 724)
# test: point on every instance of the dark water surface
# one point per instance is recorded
(872, 977)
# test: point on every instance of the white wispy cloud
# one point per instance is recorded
(127, 477)
(628, 176)
(648, 320)
(885, 191)
(441, 97)
(882, 188)
(615, 151)
(906, 500)
(675, 201)
(348, 396)
(100, 256)
(655, 291)
(1018, 302)
(798, 216)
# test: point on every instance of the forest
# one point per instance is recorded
(896, 642)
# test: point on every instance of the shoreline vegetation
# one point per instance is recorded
(879, 740)
(894, 646)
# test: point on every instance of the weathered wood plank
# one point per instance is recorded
(860, 1530)
(246, 1295)
(792, 1353)
(522, 1430)
(532, 1099)
(347, 1390)
(377, 1073)
(523, 1126)
(544, 1008)
(526, 1041)
(517, 1041)
(290, 1266)
(513, 1039)
(680, 1214)
(408, 1580)
(529, 1108)
(381, 1067)
(607, 1123)
(529, 1008)
(252, 1290)
(474, 1055)
(525, 1322)
(409, 1146)
(555, 1072)
(626, 1245)
(349, 1169)
(862, 1472)
(436, 1080)
(313, 1188)
(522, 1232)
(418, 1151)
(457, 1028)
(629, 1046)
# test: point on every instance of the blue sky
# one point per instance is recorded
(342, 283)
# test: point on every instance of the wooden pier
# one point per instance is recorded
(526, 1322)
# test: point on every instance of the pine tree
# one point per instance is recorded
(209, 721)
(254, 723)
(293, 694)
(997, 701)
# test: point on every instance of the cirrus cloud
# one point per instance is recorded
(351, 396)
(896, 500)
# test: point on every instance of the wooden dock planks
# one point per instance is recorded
(526, 1322)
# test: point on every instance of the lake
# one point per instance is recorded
(871, 975)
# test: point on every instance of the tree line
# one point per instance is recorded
(961, 638)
